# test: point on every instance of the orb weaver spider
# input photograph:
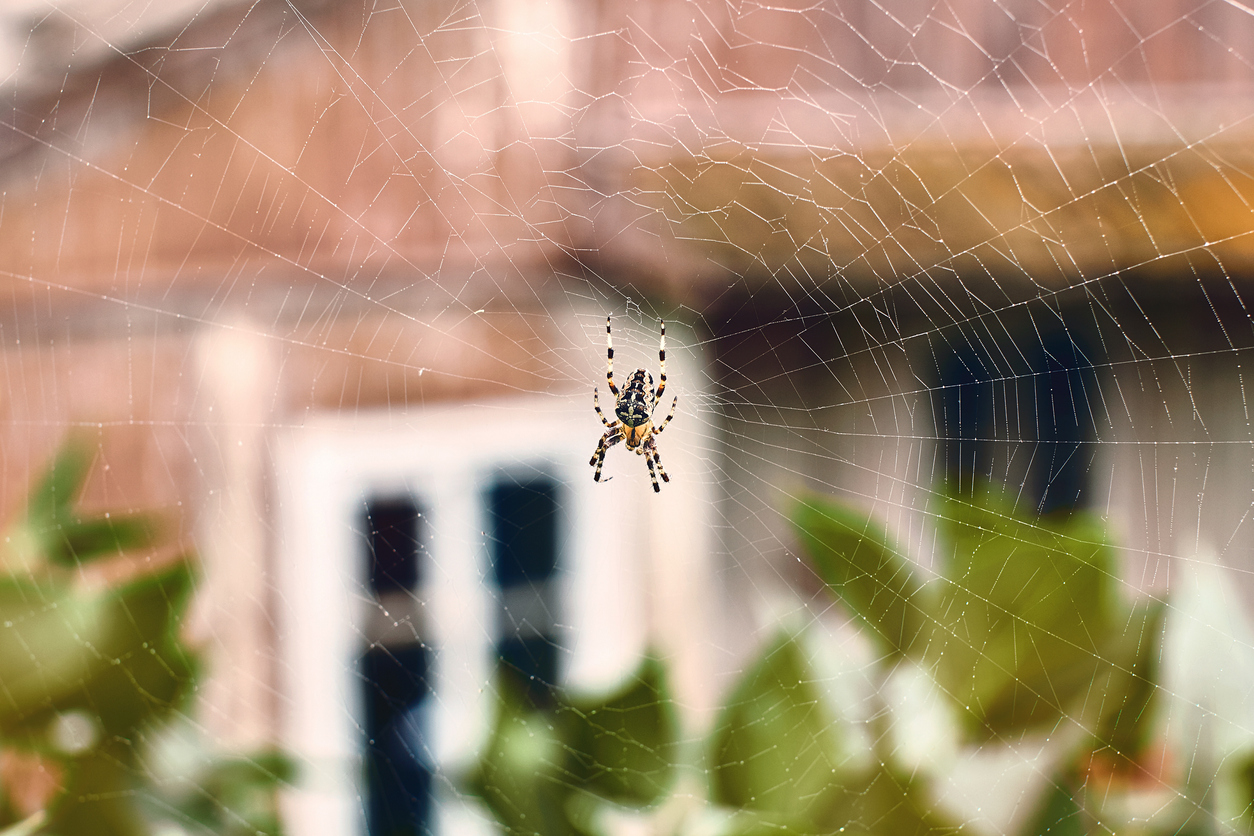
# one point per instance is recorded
(634, 409)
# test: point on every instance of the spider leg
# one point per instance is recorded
(658, 429)
(652, 473)
(661, 359)
(609, 358)
(596, 404)
(607, 441)
(657, 459)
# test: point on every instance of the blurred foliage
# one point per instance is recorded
(94, 674)
(776, 747)
(1025, 635)
(777, 756)
(547, 766)
(1023, 622)
(775, 763)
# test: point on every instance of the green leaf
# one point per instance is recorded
(856, 559)
(57, 491)
(102, 794)
(884, 802)
(150, 670)
(233, 796)
(623, 747)
(114, 652)
(49, 639)
(79, 541)
(1124, 728)
(53, 531)
(744, 822)
(1243, 786)
(29, 543)
(776, 747)
(1024, 617)
(1059, 813)
(520, 775)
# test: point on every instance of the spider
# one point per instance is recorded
(634, 410)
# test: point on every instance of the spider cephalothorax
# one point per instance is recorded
(634, 409)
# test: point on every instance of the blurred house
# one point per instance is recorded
(331, 277)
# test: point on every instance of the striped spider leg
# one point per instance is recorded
(613, 435)
(653, 457)
(609, 360)
(607, 441)
(661, 362)
(658, 429)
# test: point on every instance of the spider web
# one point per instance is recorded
(326, 281)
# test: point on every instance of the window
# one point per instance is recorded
(420, 564)
(525, 526)
(395, 669)
(1066, 397)
(1019, 414)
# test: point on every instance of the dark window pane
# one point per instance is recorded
(528, 666)
(523, 519)
(393, 544)
(398, 765)
(966, 417)
(394, 680)
(525, 525)
(1065, 384)
(1020, 407)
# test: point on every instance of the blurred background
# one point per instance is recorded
(301, 309)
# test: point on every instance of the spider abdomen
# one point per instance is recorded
(635, 405)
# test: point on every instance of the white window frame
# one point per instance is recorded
(445, 457)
